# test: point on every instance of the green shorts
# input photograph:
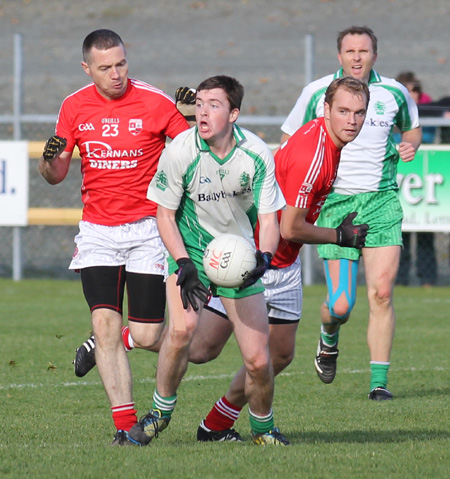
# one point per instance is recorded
(234, 293)
(382, 211)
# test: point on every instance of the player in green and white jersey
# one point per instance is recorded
(214, 196)
(366, 182)
(216, 178)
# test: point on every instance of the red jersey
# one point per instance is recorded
(120, 142)
(306, 168)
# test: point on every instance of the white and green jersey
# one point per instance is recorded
(368, 163)
(214, 196)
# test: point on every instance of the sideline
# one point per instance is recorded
(197, 378)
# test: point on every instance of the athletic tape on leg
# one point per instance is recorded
(347, 285)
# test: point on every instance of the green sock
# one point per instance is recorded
(165, 405)
(329, 339)
(261, 424)
(379, 374)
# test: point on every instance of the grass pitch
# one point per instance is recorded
(55, 425)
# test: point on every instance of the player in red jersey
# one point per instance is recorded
(120, 126)
(306, 167)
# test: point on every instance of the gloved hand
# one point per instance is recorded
(350, 235)
(263, 261)
(185, 102)
(53, 148)
(191, 288)
(185, 95)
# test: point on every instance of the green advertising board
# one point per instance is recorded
(424, 188)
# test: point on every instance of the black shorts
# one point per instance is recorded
(104, 287)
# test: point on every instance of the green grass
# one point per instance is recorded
(55, 425)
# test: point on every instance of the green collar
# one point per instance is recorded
(202, 145)
(373, 78)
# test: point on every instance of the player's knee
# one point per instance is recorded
(180, 339)
(381, 296)
(207, 345)
(281, 360)
(258, 366)
(198, 357)
(340, 309)
(202, 355)
(148, 339)
(106, 325)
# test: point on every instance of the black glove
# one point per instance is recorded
(185, 101)
(263, 261)
(185, 95)
(191, 287)
(53, 148)
(350, 235)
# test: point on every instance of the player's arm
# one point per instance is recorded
(294, 227)
(269, 235)
(192, 291)
(169, 232)
(54, 162)
(269, 232)
(410, 143)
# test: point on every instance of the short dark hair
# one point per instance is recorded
(410, 78)
(353, 85)
(102, 40)
(355, 30)
(232, 88)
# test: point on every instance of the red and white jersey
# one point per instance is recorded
(120, 142)
(306, 167)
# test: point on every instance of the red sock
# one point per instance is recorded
(127, 339)
(124, 416)
(222, 416)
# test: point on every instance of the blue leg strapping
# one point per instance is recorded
(347, 285)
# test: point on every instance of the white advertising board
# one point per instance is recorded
(14, 183)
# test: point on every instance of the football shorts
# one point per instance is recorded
(382, 211)
(283, 295)
(136, 245)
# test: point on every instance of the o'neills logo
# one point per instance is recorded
(135, 127)
(102, 156)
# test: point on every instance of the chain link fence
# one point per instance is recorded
(47, 250)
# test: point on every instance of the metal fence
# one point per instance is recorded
(46, 250)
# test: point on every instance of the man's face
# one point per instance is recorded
(213, 115)
(356, 56)
(108, 70)
(345, 117)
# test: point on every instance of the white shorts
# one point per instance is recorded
(136, 245)
(283, 294)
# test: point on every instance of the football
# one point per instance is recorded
(228, 260)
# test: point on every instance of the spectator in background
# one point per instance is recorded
(414, 87)
(426, 266)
